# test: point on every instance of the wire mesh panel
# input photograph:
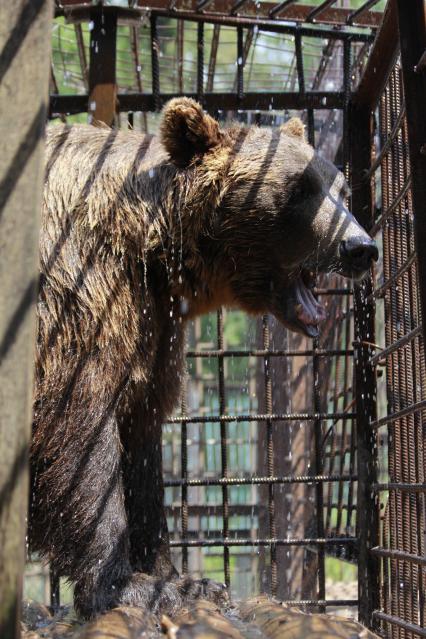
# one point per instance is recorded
(401, 373)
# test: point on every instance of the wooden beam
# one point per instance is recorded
(24, 78)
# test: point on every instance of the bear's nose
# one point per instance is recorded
(358, 253)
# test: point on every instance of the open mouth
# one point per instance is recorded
(309, 312)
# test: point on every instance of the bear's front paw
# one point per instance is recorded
(169, 596)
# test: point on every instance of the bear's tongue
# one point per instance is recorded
(309, 311)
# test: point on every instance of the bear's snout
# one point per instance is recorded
(358, 253)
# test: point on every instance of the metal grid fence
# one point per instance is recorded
(401, 419)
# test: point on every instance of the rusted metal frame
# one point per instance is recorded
(367, 509)
(200, 62)
(387, 145)
(318, 10)
(396, 345)
(72, 104)
(223, 445)
(235, 541)
(388, 419)
(399, 555)
(269, 453)
(82, 54)
(184, 474)
(412, 34)
(213, 57)
(155, 65)
(247, 481)
(262, 417)
(262, 353)
(358, 12)
(396, 621)
(403, 437)
(380, 292)
(380, 61)
(289, 10)
(265, 25)
(102, 69)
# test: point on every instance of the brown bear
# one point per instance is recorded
(140, 233)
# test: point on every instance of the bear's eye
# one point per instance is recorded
(308, 185)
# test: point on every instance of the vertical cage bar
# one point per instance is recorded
(155, 62)
(270, 453)
(200, 61)
(184, 474)
(365, 380)
(223, 445)
(180, 34)
(319, 487)
(240, 63)
(54, 590)
(347, 94)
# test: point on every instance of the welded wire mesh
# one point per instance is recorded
(402, 387)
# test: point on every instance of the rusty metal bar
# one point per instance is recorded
(223, 446)
(184, 473)
(399, 343)
(200, 62)
(155, 67)
(246, 481)
(400, 623)
(388, 419)
(387, 145)
(213, 57)
(262, 353)
(234, 541)
(399, 486)
(240, 63)
(399, 556)
(282, 417)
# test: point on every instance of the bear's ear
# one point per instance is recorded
(295, 127)
(186, 131)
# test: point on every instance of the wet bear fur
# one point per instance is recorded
(139, 234)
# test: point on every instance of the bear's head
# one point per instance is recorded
(268, 213)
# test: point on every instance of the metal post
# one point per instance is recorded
(365, 380)
(412, 35)
(102, 82)
(24, 76)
